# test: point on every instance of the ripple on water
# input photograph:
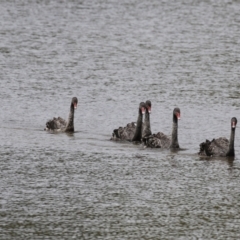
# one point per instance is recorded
(112, 56)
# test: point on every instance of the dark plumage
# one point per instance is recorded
(160, 140)
(59, 124)
(146, 127)
(220, 147)
(132, 131)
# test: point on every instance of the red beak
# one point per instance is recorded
(178, 116)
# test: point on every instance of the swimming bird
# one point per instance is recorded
(132, 131)
(220, 147)
(59, 124)
(160, 140)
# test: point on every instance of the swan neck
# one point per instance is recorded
(231, 151)
(146, 128)
(147, 120)
(137, 134)
(70, 124)
(174, 139)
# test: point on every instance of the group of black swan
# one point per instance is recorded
(140, 131)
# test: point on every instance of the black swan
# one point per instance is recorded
(59, 124)
(146, 128)
(221, 147)
(132, 131)
(160, 140)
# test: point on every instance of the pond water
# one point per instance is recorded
(113, 55)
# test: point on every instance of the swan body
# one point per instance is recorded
(59, 124)
(160, 140)
(132, 131)
(220, 147)
(124, 133)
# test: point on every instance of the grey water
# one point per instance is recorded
(112, 55)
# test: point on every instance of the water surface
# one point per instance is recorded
(112, 55)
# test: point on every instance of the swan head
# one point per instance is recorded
(149, 106)
(177, 113)
(74, 102)
(142, 107)
(233, 122)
